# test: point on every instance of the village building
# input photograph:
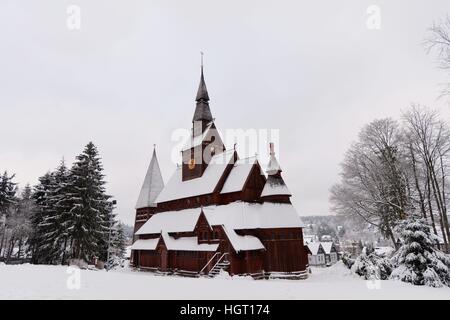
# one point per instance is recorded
(217, 212)
(322, 253)
(331, 253)
(316, 256)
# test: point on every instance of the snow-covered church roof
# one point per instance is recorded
(238, 175)
(181, 244)
(234, 216)
(176, 188)
(187, 244)
(243, 243)
(152, 186)
(145, 244)
(275, 186)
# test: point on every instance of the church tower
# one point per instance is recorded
(275, 189)
(151, 188)
(205, 140)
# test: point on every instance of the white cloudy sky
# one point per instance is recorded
(128, 79)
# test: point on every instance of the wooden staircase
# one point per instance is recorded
(218, 267)
(220, 263)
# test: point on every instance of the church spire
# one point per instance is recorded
(202, 111)
(153, 184)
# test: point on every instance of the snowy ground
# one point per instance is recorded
(54, 282)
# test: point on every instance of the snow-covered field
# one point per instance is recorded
(56, 282)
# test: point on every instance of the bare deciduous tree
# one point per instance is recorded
(374, 186)
(429, 142)
(438, 41)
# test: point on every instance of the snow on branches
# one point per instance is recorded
(417, 261)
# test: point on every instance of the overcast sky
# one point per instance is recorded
(128, 78)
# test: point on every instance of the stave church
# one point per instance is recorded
(217, 212)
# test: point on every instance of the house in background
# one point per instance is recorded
(322, 253)
(331, 253)
(316, 257)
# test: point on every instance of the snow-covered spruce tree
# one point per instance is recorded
(417, 261)
(54, 226)
(91, 208)
(19, 222)
(370, 266)
(117, 247)
(41, 214)
(8, 190)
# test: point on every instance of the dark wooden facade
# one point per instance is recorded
(280, 250)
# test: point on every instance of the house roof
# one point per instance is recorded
(314, 247)
(176, 188)
(238, 175)
(327, 246)
(152, 186)
(234, 216)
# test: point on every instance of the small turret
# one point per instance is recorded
(275, 189)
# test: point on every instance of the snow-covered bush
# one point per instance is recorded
(371, 266)
(417, 261)
(347, 260)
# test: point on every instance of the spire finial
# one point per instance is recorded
(202, 93)
(272, 148)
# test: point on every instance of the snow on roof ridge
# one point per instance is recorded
(238, 176)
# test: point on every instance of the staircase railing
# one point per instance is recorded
(220, 259)
(210, 260)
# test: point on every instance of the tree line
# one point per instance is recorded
(67, 215)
